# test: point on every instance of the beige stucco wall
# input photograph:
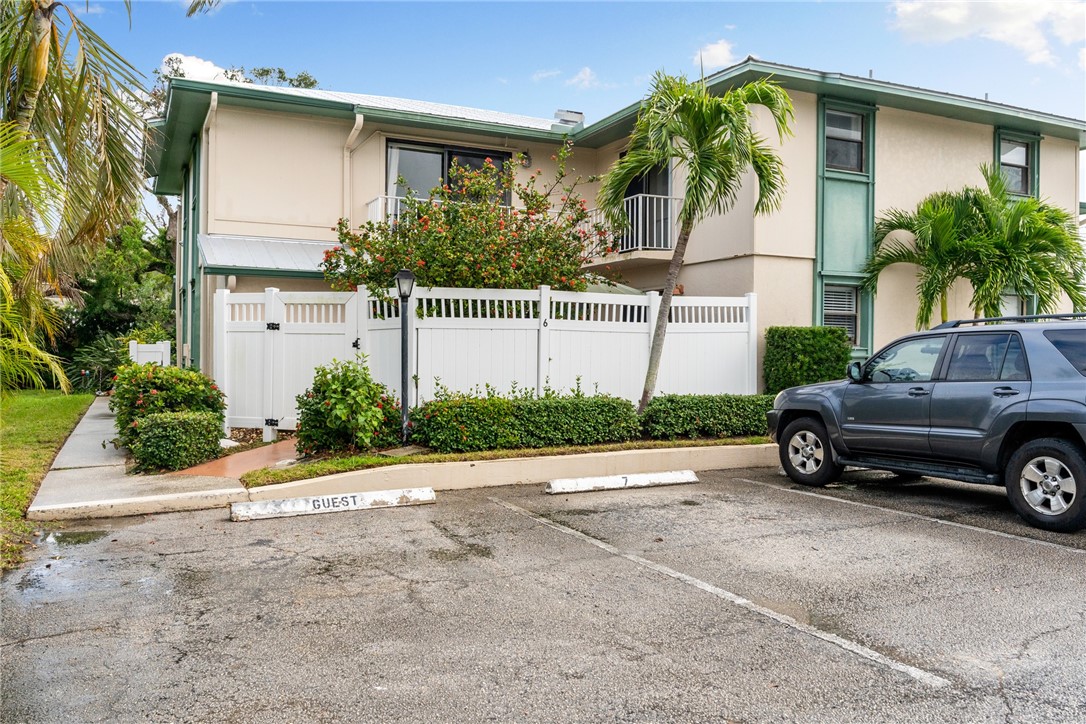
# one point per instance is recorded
(282, 175)
(274, 174)
(1059, 166)
(790, 231)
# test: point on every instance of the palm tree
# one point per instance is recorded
(26, 317)
(67, 95)
(64, 86)
(712, 138)
(930, 238)
(998, 242)
(1025, 246)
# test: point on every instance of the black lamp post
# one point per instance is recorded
(405, 284)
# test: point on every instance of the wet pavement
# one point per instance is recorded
(742, 598)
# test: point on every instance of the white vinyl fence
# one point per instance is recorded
(159, 353)
(266, 345)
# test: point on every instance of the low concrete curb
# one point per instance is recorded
(514, 471)
(318, 504)
(145, 505)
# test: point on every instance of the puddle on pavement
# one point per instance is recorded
(72, 537)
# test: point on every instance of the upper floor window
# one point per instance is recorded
(420, 167)
(1018, 163)
(845, 140)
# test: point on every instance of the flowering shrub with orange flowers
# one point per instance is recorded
(466, 235)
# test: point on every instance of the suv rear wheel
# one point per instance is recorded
(1046, 484)
(806, 454)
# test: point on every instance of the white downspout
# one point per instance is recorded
(205, 150)
(206, 338)
(348, 153)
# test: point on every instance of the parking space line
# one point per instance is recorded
(940, 521)
(925, 677)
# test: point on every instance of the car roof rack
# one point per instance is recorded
(954, 324)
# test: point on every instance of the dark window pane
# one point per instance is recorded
(1014, 364)
(847, 155)
(1017, 179)
(977, 357)
(419, 168)
(847, 126)
(1072, 344)
(910, 361)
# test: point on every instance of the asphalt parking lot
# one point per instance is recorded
(740, 598)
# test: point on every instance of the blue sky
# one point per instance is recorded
(532, 57)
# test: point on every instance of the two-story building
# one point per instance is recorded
(264, 173)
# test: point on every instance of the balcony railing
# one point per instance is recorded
(651, 227)
(384, 208)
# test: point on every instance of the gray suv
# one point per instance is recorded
(997, 401)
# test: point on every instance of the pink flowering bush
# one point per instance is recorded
(464, 235)
(141, 390)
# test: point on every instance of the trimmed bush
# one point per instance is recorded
(346, 410)
(176, 440)
(803, 355)
(141, 390)
(668, 417)
(573, 420)
(457, 422)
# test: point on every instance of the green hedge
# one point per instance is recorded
(803, 356)
(458, 422)
(673, 416)
(141, 390)
(176, 440)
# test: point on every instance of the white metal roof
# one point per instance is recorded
(407, 105)
(223, 251)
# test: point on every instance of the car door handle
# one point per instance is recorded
(918, 392)
(1005, 392)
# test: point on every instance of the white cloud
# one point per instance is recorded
(714, 55)
(585, 79)
(1082, 58)
(1026, 26)
(195, 68)
(544, 74)
(85, 9)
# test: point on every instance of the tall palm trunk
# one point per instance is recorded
(36, 71)
(657, 349)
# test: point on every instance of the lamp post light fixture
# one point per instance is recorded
(405, 284)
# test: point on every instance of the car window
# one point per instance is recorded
(1072, 344)
(978, 357)
(1014, 364)
(910, 361)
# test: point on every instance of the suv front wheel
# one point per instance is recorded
(806, 454)
(1046, 484)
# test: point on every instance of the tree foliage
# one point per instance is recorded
(464, 235)
(712, 142)
(1000, 243)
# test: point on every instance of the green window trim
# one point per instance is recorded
(1032, 141)
(825, 277)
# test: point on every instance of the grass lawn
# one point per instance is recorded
(33, 426)
(345, 464)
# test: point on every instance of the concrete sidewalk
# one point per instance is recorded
(88, 480)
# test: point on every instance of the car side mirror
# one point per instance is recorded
(855, 371)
